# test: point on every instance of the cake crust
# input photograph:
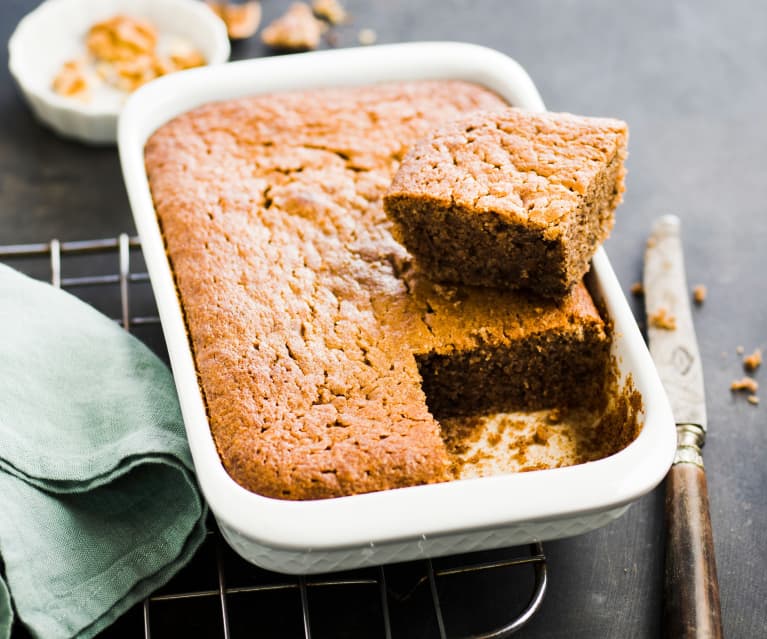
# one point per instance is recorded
(305, 316)
(510, 198)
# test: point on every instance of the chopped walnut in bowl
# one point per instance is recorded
(125, 52)
(97, 52)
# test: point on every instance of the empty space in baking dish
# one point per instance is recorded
(473, 513)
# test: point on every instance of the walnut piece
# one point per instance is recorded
(753, 361)
(330, 10)
(121, 38)
(699, 293)
(663, 319)
(745, 384)
(295, 30)
(241, 20)
(71, 80)
(124, 55)
(130, 74)
(184, 57)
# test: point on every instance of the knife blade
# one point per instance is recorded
(675, 352)
(691, 590)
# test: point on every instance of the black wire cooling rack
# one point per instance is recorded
(487, 595)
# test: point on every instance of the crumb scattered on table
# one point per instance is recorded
(663, 319)
(745, 384)
(740, 350)
(753, 361)
(699, 293)
(296, 30)
(330, 10)
(241, 20)
(637, 289)
(753, 399)
(367, 36)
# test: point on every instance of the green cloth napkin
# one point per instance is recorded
(98, 503)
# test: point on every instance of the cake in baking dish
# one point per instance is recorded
(511, 198)
(324, 355)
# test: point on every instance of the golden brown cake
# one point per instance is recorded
(510, 198)
(313, 333)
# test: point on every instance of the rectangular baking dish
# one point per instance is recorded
(406, 523)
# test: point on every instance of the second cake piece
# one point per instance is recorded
(511, 198)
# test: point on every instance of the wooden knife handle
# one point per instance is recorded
(691, 601)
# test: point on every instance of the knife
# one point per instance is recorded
(691, 590)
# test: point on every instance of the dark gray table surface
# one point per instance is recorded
(689, 77)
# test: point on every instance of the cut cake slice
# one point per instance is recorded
(510, 198)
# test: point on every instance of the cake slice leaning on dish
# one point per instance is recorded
(510, 198)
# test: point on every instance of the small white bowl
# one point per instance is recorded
(55, 32)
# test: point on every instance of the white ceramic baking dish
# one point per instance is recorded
(407, 523)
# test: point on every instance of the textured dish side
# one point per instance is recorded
(350, 525)
(310, 562)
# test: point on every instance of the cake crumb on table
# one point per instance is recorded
(753, 399)
(699, 293)
(663, 319)
(745, 384)
(753, 361)
(637, 289)
(740, 350)
(295, 30)
(367, 36)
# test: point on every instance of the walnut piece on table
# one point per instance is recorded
(330, 10)
(745, 384)
(661, 318)
(753, 361)
(699, 293)
(296, 30)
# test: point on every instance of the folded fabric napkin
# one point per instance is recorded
(98, 503)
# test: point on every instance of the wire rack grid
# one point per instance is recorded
(415, 599)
